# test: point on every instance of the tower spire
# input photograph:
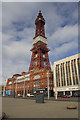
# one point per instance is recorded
(40, 22)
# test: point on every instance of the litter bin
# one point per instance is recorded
(40, 98)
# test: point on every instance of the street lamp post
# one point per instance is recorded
(16, 85)
(4, 89)
(55, 84)
(55, 92)
(14, 90)
(24, 89)
(48, 83)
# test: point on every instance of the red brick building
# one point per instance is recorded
(37, 76)
(10, 84)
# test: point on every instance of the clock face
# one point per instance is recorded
(36, 77)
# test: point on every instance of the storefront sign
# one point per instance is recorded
(68, 89)
(43, 89)
(8, 92)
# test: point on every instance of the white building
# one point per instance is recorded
(66, 75)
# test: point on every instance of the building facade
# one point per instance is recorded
(67, 75)
(33, 80)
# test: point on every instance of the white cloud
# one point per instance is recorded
(65, 48)
(13, 48)
(63, 35)
(63, 42)
(17, 49)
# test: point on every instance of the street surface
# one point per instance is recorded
(28, 108)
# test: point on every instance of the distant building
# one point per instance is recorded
(67, 75)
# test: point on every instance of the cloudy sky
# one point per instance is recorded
(18, 30)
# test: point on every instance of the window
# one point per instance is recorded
(58, 76)
(63, 68)
(44, 63)
(36, 63)
(34, 84)
(20, 86)
(73, 80)
(67, 81)
(71, 60)
(57, 65)
(75, 72)
(9, 86)
(76, 80)
(62, 82)
(77, 58)
(59, 83)
(42, 75)
(66, 67)
(69, 67)
(72, 66)
(42, 83)
(79, 71)
(67, 74)
(46, 81)
(43, 56)
(35, 55)
(70, 81)
(75, 65)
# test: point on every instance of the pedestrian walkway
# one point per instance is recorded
(28, 108)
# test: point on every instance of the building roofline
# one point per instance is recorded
(67, 58)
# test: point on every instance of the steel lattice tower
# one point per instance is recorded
(40, 51)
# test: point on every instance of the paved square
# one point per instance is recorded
(27, 108)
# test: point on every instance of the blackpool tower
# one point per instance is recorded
(40, 58)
